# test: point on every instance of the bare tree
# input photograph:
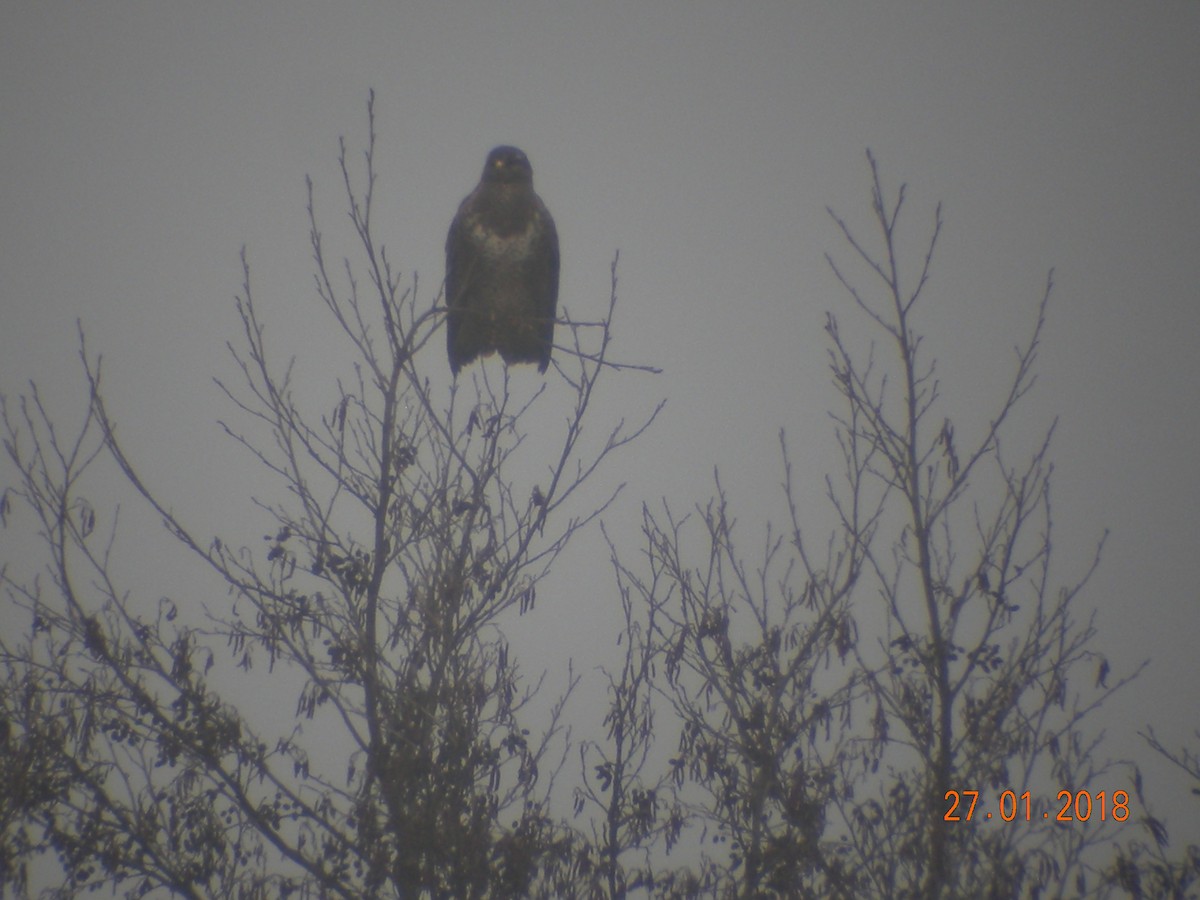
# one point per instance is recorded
(400, 543)
(981, 679)
(1146, 868)
(756, 671)
(849, 719)
(621, 786)
(829, 718)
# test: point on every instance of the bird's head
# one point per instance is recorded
(507, 165)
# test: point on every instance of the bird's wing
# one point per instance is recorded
(459, 261)
(458, 251)
(549, 294)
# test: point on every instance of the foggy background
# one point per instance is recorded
(143, 144)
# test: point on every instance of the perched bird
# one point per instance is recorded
(502, 268)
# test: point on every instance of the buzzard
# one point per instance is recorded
(502, 268)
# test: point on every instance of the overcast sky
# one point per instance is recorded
(143, 144)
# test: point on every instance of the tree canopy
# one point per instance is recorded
(827, 715)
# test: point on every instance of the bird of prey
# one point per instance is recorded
(502, 268)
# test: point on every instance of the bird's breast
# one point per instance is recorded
(504, 246)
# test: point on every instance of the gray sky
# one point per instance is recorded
(144, 143)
